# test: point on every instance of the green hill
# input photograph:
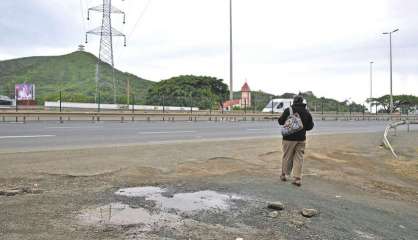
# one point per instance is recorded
(73, 74)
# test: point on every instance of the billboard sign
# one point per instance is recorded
(25, 91)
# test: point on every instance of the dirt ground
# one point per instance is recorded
(359, 189)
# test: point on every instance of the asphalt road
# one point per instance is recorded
(47, 135)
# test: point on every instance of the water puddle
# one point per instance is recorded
(161, 214)
(122, 214)
(185, 202)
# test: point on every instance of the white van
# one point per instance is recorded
(279, 105)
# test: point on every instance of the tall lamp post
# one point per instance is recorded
(371, 85)
(390, 44)
(231, 91)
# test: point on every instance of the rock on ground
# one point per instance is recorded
(276, 206)
(309, 212)
(274, 214)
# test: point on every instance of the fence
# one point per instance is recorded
(205, 100)
(394, 126)
(137, 102)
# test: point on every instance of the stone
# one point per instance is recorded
(274, 214)
(276, 206)
(309, 212)
(10, 192)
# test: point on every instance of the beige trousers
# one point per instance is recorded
(293, 152)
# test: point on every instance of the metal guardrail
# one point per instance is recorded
(394, 126)
(123, 116)
(128, 116)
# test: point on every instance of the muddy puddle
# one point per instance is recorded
(122, 214)
(184, 202)
(166, 211)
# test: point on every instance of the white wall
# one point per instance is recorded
(115, 106)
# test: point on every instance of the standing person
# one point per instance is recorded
(294, 144)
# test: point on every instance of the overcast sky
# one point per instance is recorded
(280, 46)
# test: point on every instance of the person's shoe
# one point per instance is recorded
(297, 182)
(283, 177)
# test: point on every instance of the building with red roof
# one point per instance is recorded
(243, 102)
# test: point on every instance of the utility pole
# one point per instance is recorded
(390, 47)
(371, 85)
(106, 33)
(231, 63)
(128, 90)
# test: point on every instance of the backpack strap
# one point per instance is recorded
(290, 111)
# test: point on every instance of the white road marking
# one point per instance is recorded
(151, 133)
(73, 127)
(34, 136)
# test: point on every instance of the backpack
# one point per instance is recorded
(293, 124)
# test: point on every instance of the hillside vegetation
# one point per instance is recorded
(260, 99)
(189, 90)
(73, 74)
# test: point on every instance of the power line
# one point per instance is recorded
(141, 16)
(82, 16)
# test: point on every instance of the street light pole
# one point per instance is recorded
(390, 46)
(391, 75)
(231, 91)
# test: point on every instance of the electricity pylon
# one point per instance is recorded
(106, 33)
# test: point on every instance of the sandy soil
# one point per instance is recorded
(360, 190)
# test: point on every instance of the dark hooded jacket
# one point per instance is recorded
(307, 121)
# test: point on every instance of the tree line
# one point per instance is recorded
(207, 92)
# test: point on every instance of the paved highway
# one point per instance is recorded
(50, 135)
